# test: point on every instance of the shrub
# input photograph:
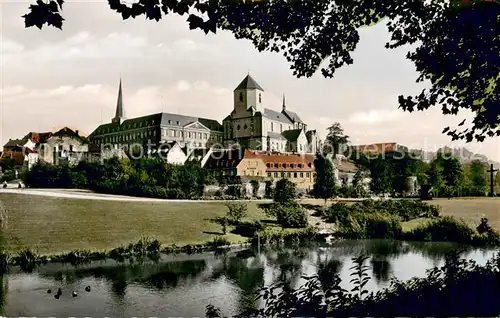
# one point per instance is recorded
(236, 211)
(255, 187)
(269, 190)
(248, 229)
(371, 226)
(444, 229)
(290, 215)
(285, 191)
(337, 213)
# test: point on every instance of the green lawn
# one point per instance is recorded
(51, 225)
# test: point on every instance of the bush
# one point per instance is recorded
(285, 191)
(337, 213)
(371, 226)
(445, 229)
(236, 211)
(269, 190)
(290, 215)
(248, 229)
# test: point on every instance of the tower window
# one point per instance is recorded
(241, 97)
(260, 98)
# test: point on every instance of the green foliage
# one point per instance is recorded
(353, 192)
(236, 211)
(449, 284)
(8, 164)
(269, 190)
(446, 229)
(223, 221)
(290, 215)
(255, 187)
(371, 226)
(285, 191)
(274, 236)
(324, 183)
(147, 177)
(336, 141)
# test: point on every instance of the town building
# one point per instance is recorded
(252, 125)
(235, 162)
(171, 152)
(156, 129)
(65, 146)
(380, 148)
(298, 168)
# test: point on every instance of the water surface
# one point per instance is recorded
(183, 285)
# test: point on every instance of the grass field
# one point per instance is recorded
(54, 225)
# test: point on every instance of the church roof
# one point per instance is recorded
(292, 116)
(275, 135)
(249, 83)
(292, 135)
(276, 116)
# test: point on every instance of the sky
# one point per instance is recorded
(51, 78)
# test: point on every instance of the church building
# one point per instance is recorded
(252, 125)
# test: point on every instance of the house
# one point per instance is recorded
(298, 168)
(344, 169)
(235, 162)
(30, 157)
(65, 146)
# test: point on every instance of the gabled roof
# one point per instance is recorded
(276, 116)
(37, 137)
(292, 135)
(306, 161)
(14, 143)
(249, 83)
(292, 116)
(228, 158)
(275, 135)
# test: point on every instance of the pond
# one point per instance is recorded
(183, 285)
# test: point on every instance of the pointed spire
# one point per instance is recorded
(119, 116)
(284, 103)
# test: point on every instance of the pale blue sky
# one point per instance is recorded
(53, 78)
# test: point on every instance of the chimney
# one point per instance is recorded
(76, 132)
(284, 104)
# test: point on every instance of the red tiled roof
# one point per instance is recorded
(287, 162)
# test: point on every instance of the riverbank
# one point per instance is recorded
(53, 221)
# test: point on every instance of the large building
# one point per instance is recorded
(252, 125)
(156, 129)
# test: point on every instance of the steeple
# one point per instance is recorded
(119, 116)
(284, 104)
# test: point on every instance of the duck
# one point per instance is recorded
(87, 289)
(75, 294)
(49, 291)
(56, 296)
(59, 291)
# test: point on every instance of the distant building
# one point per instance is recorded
(156, 129)
(253, 126)
(379, 148)
(249, 164)
(171, 152)
(344, 170)
(65, 146)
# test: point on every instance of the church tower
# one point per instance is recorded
(119, 115)
(248, 95)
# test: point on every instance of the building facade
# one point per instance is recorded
(252, 125)
(65, 146)
(156, 129)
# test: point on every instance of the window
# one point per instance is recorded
(288, 175)
(272, 127)
(260, 98)
(169, 122)
(300, 165)
(241, 97)
(178, 123)
(291, 165)
(275, 174)
(189, 135)
(199, 135)
(71, 148)
(238, 127)
(302, 175)
(268, 165)
(282, 174)
(205, 136)
(295, 174)
(269, 174)
(281, 128)
(245, 127)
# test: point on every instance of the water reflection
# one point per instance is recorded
(183, 286)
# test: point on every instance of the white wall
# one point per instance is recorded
(176, 156)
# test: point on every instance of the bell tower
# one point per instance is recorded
(119, 115)
(247, 95)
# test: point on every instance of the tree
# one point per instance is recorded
(236, 211)
(452, 171)
(455, 43)
(324, 182)
(336, 141)
(477, 175)
(285, 192)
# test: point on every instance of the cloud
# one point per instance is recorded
(375, 116)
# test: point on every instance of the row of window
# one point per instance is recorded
(288, 165)
(185, 134)
(241, 97)
(127, 137)
(290, 174)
